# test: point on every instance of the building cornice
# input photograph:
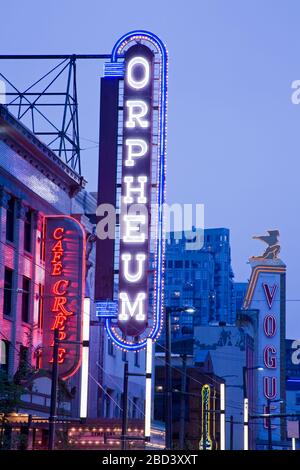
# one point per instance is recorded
(27, 145)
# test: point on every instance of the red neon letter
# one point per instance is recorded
(58, 233)
(57, 255)
(61, 355)
(59, 306)
(62, 335)
(57, 269)
(59, 322)
(58, 247)
(60, 287)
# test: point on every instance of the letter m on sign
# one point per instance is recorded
(132, 309)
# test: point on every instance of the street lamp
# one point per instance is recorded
(246, 403)
(168, 312)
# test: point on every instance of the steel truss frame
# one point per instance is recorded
(33, 105)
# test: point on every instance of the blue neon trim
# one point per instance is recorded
(159, 247)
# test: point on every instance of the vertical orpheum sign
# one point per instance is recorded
(266, 294)
(64, 254)
(136, 191)
(129, 272)
(205, 441)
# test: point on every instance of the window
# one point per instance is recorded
(178, 264)
(116, 408)
(8, 285)
(23, 357)
(187, 263)
(170, 264)
(135, 407)
(28, 231)
(40, 306)
(137, 359)
(45, 437)
(4, 355)
(110, 347)
(176, 293)
(10, 220)
(25, 299)
(108, 398)
(297, 399)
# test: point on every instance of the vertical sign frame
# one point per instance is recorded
(64, 254)
(139, 64)
(266, 293)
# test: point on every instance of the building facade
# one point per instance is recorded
(34, 183)
(202, 278)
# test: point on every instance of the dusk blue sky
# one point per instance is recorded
(233, 133)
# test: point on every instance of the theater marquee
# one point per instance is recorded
(64, 254)
(266, 295)
(132, 179)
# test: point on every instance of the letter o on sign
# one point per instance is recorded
(270, 326)
(139, 62)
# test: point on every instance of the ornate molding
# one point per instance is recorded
(37, 220)
(4, 197)
(29, 147)
(21, 209)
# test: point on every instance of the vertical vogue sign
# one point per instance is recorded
(136, 191)
(270, 352)
(266, 295)
(64, 247)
